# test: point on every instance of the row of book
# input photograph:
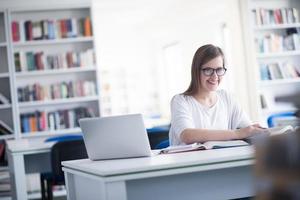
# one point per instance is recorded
(264, 16)
(49, 29)
(38, 92)
(273, 71)
(278, 43)
(31, 61)
(54, 120)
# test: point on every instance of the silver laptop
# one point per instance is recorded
(115, 137)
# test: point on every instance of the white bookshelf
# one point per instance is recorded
(3, 44)
(51, 133)
(58, 101)
(278, 54)
(5, 106)
(45, 77)
(6, 110)
(276, 26)
(4, 75)
(56, 71)
(266, 39)
(53, 42)
(272, 83)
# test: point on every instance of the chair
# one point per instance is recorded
(283, 118)
(159, 137)
(61, 151)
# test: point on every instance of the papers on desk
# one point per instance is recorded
(203, 146)
(280, 130)
(269, 132)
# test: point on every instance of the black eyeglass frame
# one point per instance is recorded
(214, 70)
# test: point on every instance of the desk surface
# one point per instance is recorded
(161, 162)
(29, 145)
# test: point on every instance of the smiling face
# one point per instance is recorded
(211, 83)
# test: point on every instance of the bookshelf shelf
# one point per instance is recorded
(279, 82)
(51, 132)
(58, 101)
(5, 137)
(5, 106)
(278, 54)
(56, 71)
(276, 26)
(4, 75)
(54, 42)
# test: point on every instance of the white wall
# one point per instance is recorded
(132, 34)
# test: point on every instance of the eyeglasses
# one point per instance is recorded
(210, 71)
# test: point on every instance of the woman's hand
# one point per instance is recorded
(250, 131)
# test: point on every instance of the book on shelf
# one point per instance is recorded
(274, 42)
(263, 101)
(33, 61)
(203, 146)
(15, 31)
(3, 99)
(276, 70)
(63, 90)
(51, 29)
(5, 129)
(264, 16)
(53, 120)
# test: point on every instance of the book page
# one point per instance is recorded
(182, 148)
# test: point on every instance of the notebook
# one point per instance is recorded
(115, 137)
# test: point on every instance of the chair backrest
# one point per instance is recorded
(282, 119)
(159, 137)
(66, 150)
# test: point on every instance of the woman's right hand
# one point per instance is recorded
(250, 131)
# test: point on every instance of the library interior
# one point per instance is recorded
(88, 91)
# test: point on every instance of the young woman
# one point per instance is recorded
(203, 113)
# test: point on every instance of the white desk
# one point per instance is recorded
(26, 156)
(211, 174)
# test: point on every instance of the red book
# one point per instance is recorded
(43, 121)
(15, 31)
(278, 16)
(38, 61)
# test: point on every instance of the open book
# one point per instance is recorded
(203, 146)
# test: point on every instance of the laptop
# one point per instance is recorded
(115, 137)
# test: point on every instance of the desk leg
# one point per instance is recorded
(17, 176)
(116, 190)
(82, 187)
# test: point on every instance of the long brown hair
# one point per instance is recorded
(203, 55)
